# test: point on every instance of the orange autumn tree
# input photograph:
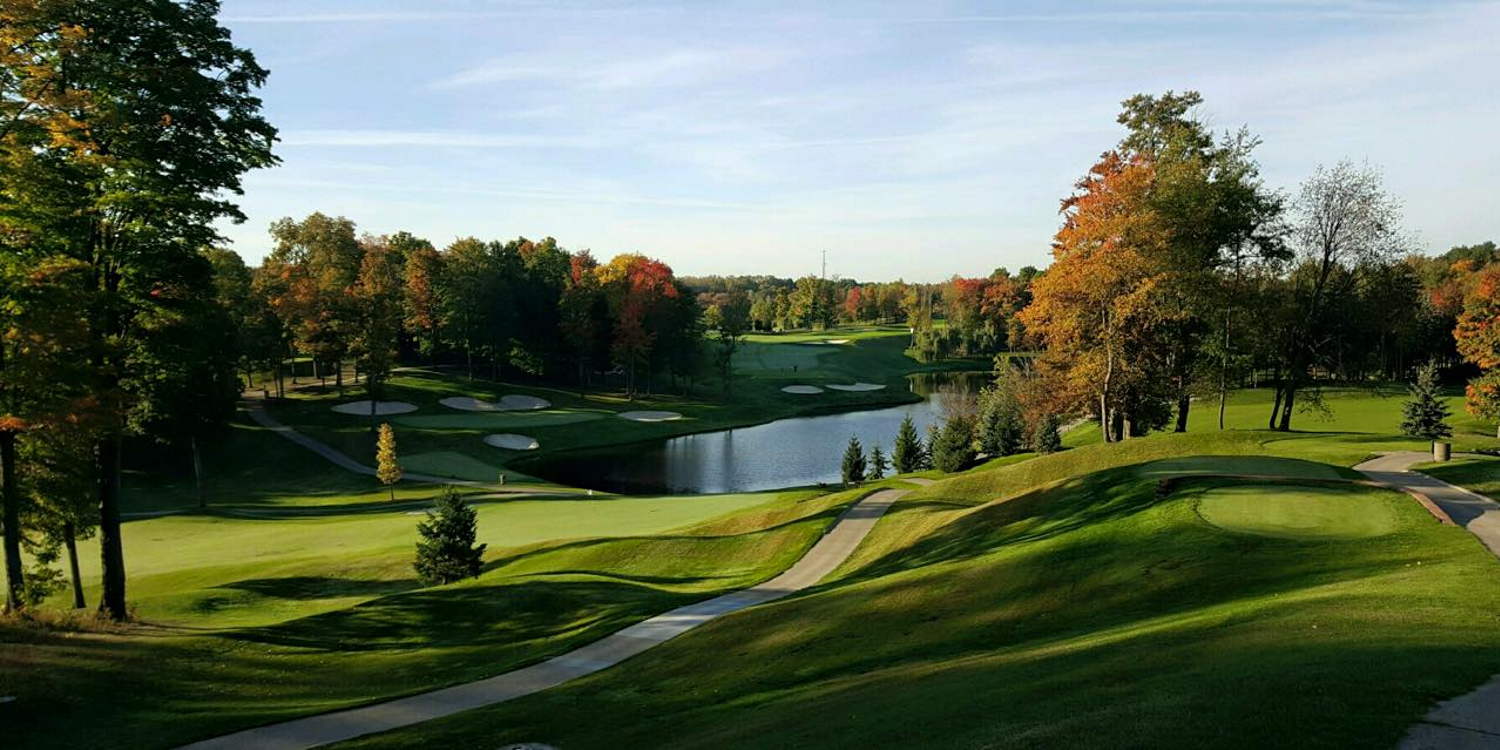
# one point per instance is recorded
(1096, 309)
(1478, 338)
(637, 289)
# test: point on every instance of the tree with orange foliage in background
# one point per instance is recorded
(636, 289)
(1478, 337)
(1094, 308)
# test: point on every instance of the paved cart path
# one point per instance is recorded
(836, 545)
(1473, 720)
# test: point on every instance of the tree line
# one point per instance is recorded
(1178, 274)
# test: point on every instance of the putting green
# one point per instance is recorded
(450, 464)
(1299, 512)
(496, 420)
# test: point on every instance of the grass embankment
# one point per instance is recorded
(1087, 611)
(1481, 474)
(254, 621)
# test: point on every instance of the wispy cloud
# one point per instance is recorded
(433, 139)
(677, 67)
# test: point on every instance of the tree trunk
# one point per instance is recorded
(1286, 408)
(10, 496)
(197, 472)
(1104, 425)
(111, 550)
(1184, 402)
(469, 359)
(338, 376)
(71, 543)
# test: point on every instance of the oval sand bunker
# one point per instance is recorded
(802, 389)
(857, 387)
(516, 402)
(362, 408)
(649, 416)
(512, 442)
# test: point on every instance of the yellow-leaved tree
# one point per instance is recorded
(387, 468)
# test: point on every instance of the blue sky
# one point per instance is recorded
(911, 140)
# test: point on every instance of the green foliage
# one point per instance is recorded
(878, 463)
(906, 457)
(853, 466)
(953, 446)
(1048, 438)
(1000, 429)
(1425, 414)
(447, 552)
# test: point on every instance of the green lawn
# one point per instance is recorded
(1481, 475)
(255, 621)
(1086, 613)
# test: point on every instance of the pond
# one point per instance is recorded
(783, 453)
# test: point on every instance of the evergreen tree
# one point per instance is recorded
(1048, 437)
(1425, 415)
(446, 552)
(929, 448)
(987, 433)
(953, 446)
(387, 468)
(854, 463)
(906, 457)
(878, 463)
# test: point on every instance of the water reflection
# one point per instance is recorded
(784, 453)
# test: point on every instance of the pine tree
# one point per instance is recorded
(854, 463)
(387, 468)
(446, 552)
(878, 463)
(1048, 437)
(929, 448)
(988, 431)
(906, 457)
(953, 446)
(1425, 415)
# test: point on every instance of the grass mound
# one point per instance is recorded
(1089, 612)
(1298, 512)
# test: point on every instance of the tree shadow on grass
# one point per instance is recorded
(309, 588)
(467, 616)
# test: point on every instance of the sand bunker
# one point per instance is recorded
(507, 403)
(650, 416)
(838, 341)
(465, 403)
(512, 442)
(523, 403)
(857, 387)
(362, 408)
(802, 389)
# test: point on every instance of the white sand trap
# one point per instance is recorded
(512, 442)
(465, 403)
(362, 408)
(805, 390)
(650, 416)
(838, 341)
(515, 402)
(857, 387)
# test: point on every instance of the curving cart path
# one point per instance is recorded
(1473, 720)
(836, 545)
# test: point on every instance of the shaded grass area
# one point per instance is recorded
(1481, 475)
(353, 626)
(1086, 613)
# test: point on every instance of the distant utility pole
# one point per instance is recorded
(825, 265)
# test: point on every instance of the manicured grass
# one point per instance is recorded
(252, 622)
(502, 420)
(1296, 512)
(451, 465)
(191, 570)
(1088, 613)
(1481, 475)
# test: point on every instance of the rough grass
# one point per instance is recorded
(284, 628)
(1086, 613)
